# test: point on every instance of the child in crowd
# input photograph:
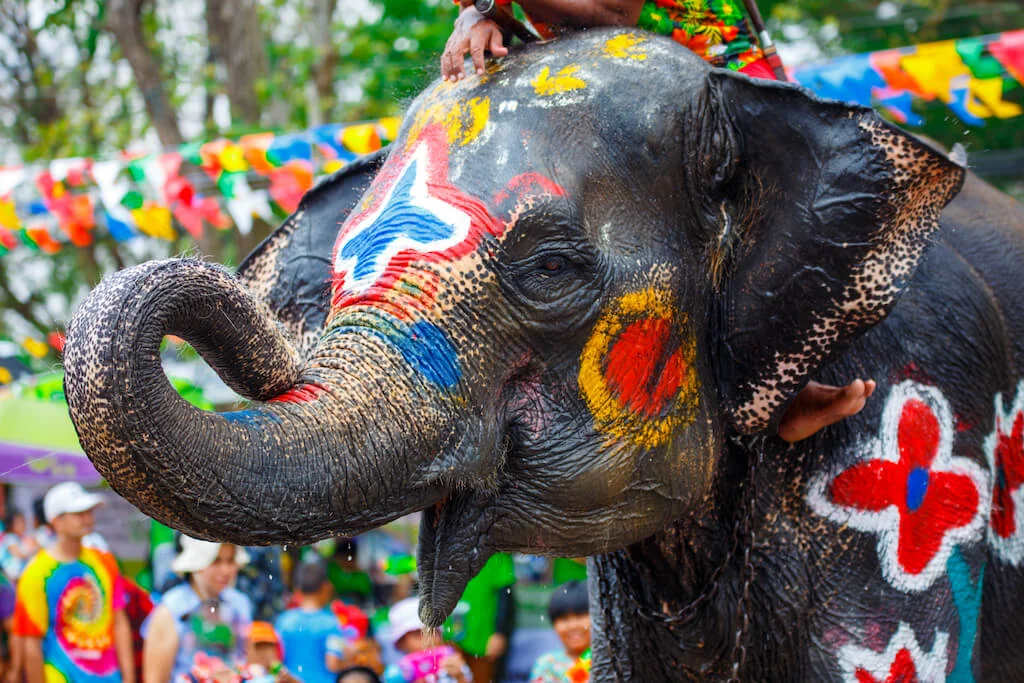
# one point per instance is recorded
(311, 634)
(569, 611)
(265, 655)
(716, 30)
(406, 632)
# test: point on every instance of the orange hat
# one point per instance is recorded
(263, 632)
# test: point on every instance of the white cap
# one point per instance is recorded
(404, 617)
(68, 496)
(196, 555)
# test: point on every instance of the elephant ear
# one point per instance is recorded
(290, 271)
(823, 212)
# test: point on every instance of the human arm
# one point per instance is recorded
(473, 33)
(160, 647)
(123, 645)
(13, 674)
(32, 657)
(454, 666)
(504, 623)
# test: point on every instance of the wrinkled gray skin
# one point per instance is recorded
(764, 230)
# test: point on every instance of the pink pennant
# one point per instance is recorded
(1009, 51)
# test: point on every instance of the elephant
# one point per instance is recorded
(562, 314)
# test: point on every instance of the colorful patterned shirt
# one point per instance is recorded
(716, 30)
(71, 607)
(552, 668)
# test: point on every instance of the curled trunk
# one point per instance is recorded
(327, 449)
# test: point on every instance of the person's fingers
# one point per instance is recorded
(869, 387)
(477, 44)
(497, 47)
(451, 60)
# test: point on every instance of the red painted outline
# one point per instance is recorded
(382, 291)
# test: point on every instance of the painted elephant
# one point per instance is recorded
(563, 315)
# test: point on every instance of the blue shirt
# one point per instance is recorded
(304, 635)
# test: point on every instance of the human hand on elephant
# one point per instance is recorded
(473, 33)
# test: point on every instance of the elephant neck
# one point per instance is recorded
(676, 606)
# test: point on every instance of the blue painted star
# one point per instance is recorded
(408, 218)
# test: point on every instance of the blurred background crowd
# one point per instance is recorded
(343, 609)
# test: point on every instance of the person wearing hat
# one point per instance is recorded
(266, 656)
(407, 634)
(205, 614)
(70, 607)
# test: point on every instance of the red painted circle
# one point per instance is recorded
(644, 368)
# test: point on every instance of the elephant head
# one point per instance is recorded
(569, 282)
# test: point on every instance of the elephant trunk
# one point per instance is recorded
(330, 451)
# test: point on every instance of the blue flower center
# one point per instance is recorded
(917, 484)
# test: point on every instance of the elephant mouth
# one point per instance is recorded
(454, 545)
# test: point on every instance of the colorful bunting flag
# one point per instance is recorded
(972, 76)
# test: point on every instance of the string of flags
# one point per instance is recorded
(67, 200)
(977, 78)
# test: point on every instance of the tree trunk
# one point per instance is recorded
(236, 40)
(125, 22)
(326, 56)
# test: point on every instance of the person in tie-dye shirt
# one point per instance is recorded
(69, 610)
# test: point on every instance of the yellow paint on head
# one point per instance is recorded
(463, 120)
(610, 415)
(466, 120)
(564, 81)
(626, 47)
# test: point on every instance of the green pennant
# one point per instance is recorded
(190, 153)
(132, 199)
(137, 168)
(228, 183)
(27, 241)
(978, 59)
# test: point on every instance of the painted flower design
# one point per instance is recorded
(911, 491)
(904, 660)
(1005, 451)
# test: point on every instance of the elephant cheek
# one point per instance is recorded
(637, 374)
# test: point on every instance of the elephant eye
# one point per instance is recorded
(552, 265)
